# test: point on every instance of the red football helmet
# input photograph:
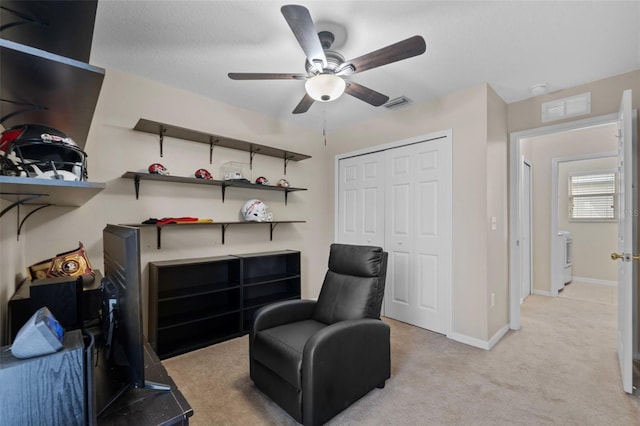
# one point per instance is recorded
(203, 174)
(158, 169)
(262, 181)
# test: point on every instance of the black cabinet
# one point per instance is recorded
(267, 278)
(194, 303)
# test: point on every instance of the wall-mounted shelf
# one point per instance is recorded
(223, 184)
(212, 140)
(42, 87)
(44, 192)
(223, 227)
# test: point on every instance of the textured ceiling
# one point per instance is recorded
(511, 45)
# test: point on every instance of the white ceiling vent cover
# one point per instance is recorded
(566, 107)
(398, 102)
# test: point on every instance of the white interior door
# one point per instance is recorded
(418, 234)
(526, 231)
(361, 200)
(626, 240)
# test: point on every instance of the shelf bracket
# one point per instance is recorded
(223, 188)
(286, 195)
(159, 237)
(17, 203)
(212, 145)
(286, 161)
(25, 19)
(24, 219)
(224, 227)
(272, 226)
(136, 184)
(163, 130)
(27, 108)
(252, 154)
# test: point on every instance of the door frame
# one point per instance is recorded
(527, 162)
(515, 214)
(443, 134)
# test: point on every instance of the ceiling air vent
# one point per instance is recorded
(399, 102)
(566, 107)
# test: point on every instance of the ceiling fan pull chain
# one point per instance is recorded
(324, 125)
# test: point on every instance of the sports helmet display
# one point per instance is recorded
(38, 151)
(262, 181)
(158, 169)
(283, 183)
(203, 174)
(256, 211)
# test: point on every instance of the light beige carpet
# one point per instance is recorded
(561, 368)
(587, 292)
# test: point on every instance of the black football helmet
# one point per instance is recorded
(34, 150)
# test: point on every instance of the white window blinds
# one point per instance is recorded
(592, 197)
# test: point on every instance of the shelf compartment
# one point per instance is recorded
(255, 296)
(192, 336)
(59, 26)
(257, 268)
(191, 291)
(266, 279)
(49, 89)
(175, 279)
(177, 313)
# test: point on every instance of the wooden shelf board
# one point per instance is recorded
(57, 192)
(177, 132)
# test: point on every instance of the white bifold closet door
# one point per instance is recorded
(400, 199)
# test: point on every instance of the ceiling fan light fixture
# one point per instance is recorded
(325, 87)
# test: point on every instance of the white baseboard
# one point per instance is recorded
(542, 293)
(595, 281)
(478, 343)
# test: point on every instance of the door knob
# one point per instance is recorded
(628, 258)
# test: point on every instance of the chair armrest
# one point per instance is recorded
(283, 312)
(342, 362)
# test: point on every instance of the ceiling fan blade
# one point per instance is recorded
(365, 94)
(413, 46)
(304, 104)
(265, 76)
(301, 24)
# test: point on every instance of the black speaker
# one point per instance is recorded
(63, 297)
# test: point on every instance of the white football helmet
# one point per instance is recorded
(256, 211)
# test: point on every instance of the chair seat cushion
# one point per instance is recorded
(280, 348)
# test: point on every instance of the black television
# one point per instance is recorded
(121, 353)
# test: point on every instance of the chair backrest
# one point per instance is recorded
(353, 287)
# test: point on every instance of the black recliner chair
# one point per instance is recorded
(314, 359)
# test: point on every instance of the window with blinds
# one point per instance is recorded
(592, 197)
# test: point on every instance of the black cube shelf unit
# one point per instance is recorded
(194, 303)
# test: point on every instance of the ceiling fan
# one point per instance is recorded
(326, 68)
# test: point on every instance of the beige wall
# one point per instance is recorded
(593, 242)
(605, 99)
(542, 150)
